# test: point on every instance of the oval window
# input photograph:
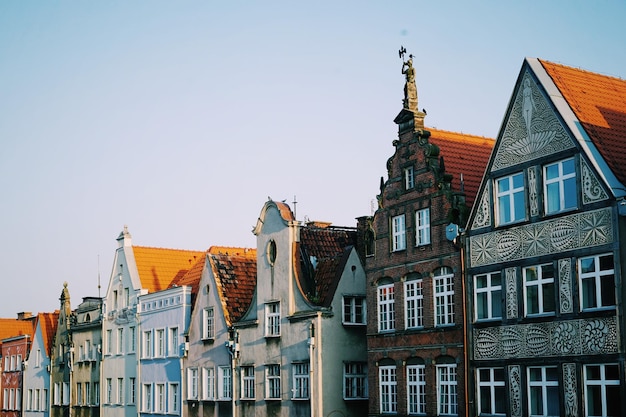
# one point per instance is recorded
(271, 252)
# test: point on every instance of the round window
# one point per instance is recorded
(271, 252)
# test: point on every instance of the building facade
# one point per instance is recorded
(61, 359)
(545, 258)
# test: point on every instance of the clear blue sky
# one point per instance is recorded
(180, 118)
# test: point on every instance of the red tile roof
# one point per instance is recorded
(599, 103)
(14, 327)
(48, 323)
(234, 270)
(159, 267)
(463, 155)
(192, 277)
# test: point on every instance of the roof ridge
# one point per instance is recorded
(171, 249)
(466, 135)
(596, 73)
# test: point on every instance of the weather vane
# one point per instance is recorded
(401, 52)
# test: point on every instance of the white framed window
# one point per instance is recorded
(132, 345)
(38, 404)
(87, 393)
(131, 390)
(160, 343)
(173, 342)
(272, 382)
(109, 342)
(510, 199)
(596, 280)
(444, 296)
(388, 387)
(398, 227)
(409, 178)
(208, 383)
(354, 310)
(416, 389)
(18, 365)
(560, 186)
(488, 296)
(247, 383)
(543, 391)
(146, 404)
(224, 387)
(109, 391)
(192, 383)
(29, 400)
(491, 399)
(38, 358)
(354, 380)
(147, 344)
(413, 304)
(422, 229)
(159, 400)
(602, 390)
(386, 308)
(18, 399)
(66, 393)
(120, 341)
(208, 323)
(539, 297)
(173, 405)
(447, 401)
(300, 373)
(272, 319)
(96, 394)
(120, 390)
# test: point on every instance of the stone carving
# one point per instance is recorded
(573, 337)
(532, 191)
(515, 390)
(591, 188)
(565, 285)
(569, 380)
(511, 293)
(580, 230)
(483, 212)
(532, 130)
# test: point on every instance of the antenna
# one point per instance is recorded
(294, 207)
(98, 275)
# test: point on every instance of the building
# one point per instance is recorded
(86, 332)
(61, 359)
(301, 342)
(224, 294)
(36, 376)
(544, 254)
(137, 270)
(15, 341)
(415, 336)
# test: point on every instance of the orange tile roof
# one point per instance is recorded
(599, 103)
(465, 155)
(48, 323)
(193, 276)
(234, 270)
(14, 327)
(159, 267)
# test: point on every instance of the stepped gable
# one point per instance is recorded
(234, 270)
(324, 251)
(464, 155)
(158, 268)
(599, 103)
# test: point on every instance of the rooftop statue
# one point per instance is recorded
(410, 89)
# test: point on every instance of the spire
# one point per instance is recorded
(409, 103)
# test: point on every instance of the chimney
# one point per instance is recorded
(25, 315)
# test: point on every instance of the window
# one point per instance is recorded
(409, 179)
(5, 397)
(539, 290)
(29, 400)
(79, 393)
(133, 339)
(422, 231)
(300, 381)
(126, 297)
(38, 358)
(160, 398)
(160, 343)
(108, 341)
(510, 199)
(192, 384)
(388, 389)
(120, 390)
(543, 391)
(173, 342)
(87, 397)
(602, 390)
(225, 383)
(114, 299)
(597, 281)
(247, 383)
(444, 296)
(354, 309)
(96, 393)
(18, 365)
(66, 393)
(272, 381)
(208, 384)
(18, 399)
(147, 344)
(398, 233)
(208, 320)
(446, 389)
(386, 306)
(354, 380)
(173, 403)
(560, 186)
(146, 405)
(416, 389)
(109, 391)
(120, 341)
(491, 392)
(131, 390)
(488, 296)
(272, 319)
(413, 304)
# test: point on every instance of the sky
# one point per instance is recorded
(180, 119)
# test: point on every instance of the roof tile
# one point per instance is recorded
(159, 268)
